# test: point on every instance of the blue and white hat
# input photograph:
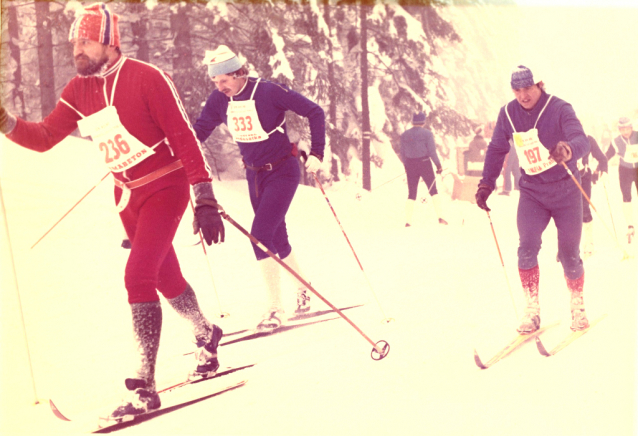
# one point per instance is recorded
(624, 122)
(221, 61)
(522, 77)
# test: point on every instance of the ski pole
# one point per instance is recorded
(384, 183)
(609, 207)
(69, 211)
(17, 288)
(222, 314)
(386, 319)
(502, 264)
(381, 348)
(625, 254)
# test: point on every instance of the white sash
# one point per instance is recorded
(533, 157)
(243, 121)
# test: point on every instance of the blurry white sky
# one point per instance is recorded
(586, 52)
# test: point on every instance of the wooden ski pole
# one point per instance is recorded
(69, 211)
(625, 254)
(381, 348)
(17, 288)
(502, 264)
(385, 318)
(609, 208)
(222, 314)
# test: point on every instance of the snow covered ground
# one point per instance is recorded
(444, 287)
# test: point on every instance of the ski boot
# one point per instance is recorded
(630, 234)
(530, 323)
(272, 320)
(579, 319)
(303, 301)
(442, 221)
(206, 355)
(142, 401)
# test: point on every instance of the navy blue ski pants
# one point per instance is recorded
(271, 193)
(540, 202)
(416, 169)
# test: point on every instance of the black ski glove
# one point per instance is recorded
(561, 153)
(482, 195)
(439, 170)
(207, 218)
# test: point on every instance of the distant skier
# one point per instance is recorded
(625, 146)
(418, 152)
(587, 178)
(255, 112)
(132, 112)
(546, 133)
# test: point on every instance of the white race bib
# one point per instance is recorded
(243, 122)
(119, 148)
(631, 154)
(533, 157)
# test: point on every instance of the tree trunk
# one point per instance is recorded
(365, 109)
(45, 57)
(332, 95)
(183, 57)
(17, 94)
(139, 30)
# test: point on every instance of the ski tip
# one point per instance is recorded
(57, 412)
(477, 360)
(541, 347)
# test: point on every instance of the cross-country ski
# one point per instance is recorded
(567, 340)
(517, 342)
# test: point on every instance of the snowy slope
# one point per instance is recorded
(444, 287)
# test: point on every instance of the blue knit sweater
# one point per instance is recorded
(272, 100)
(557, 123)
(418, 142)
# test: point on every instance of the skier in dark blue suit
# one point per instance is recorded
(546, 134)
(255, 112)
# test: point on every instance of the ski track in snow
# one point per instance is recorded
(444, 287)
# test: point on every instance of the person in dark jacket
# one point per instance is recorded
(511, 170)
(587, 178)
(418, 152)
(255, 112)
(546, 134)
(625, 145)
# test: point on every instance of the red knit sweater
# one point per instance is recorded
(149, 107)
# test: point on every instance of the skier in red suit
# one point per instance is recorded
(134, 116)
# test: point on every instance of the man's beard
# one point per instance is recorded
(91, 67)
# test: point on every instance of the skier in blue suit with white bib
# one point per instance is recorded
(546, 134)
(255, 112)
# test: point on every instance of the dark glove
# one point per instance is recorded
(207, 218)
(602, 167)
(561, 153)
(439, 170)
(482, 195)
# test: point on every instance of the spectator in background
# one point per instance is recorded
(510, 169)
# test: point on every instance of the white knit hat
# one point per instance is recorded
(221, 61)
